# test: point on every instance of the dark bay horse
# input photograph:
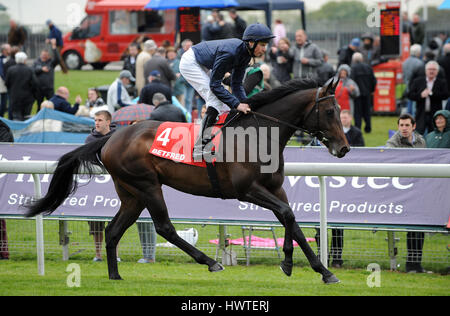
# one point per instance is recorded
(138, 175)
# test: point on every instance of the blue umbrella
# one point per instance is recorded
(174, 4)
(444, 5)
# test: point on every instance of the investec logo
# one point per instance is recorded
(376, 183)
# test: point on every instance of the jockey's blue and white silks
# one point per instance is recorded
(205, 65)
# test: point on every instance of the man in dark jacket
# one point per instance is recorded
(160, 63)
(204, 66)
(56, 34)
(61, 103)
(364, 77)
(166, 111)
(155, 85)
(239, 24)
(44, 68)
(129, 63)
(345, 53)
(22, 87)
(417, 30)
(428, 92)
(17, 34)
(353, 134)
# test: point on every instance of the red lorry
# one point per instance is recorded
(110, 27)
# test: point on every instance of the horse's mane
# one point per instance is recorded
(277, 93)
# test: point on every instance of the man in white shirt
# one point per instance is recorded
(428, 92)
(118, 96)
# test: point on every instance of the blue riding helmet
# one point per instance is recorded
(257, 33)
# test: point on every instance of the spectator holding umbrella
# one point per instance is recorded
(132, 113)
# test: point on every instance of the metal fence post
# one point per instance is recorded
(323, 221)
(64, 239)
(39, 228)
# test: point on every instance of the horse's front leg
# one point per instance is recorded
(299, 237)
(259, 195)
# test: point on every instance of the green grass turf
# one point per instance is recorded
(167, 278)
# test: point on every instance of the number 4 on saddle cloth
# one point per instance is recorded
(175, 141)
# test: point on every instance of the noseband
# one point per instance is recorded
(315, 109)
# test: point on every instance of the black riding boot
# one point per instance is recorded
(204, 136)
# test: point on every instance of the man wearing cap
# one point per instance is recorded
(153, 86)
(56, 34)
(204, 66)
(346, 53)
(118, 96)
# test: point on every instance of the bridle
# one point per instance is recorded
(316, 132)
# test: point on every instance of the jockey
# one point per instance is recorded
(204, 66)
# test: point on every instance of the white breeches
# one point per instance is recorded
(199, 78)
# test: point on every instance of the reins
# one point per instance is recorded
(317, 132)
(315, 109)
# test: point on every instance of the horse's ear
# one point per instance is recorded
(334, 84)
(328, 86)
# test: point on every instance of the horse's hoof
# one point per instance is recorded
(216, 267)
(286, 268)
(331, 279)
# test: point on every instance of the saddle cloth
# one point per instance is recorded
(175, 141)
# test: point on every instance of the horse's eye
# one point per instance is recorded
(330, 113)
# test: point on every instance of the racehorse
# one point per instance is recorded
(138, 175)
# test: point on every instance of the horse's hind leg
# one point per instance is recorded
(129, 212)
(158, 210)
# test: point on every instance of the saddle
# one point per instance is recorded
(175, 141)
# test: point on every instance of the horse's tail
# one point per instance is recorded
(63, 183)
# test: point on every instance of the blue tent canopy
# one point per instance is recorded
(174, 4)
(51, 126)
(444, 5)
